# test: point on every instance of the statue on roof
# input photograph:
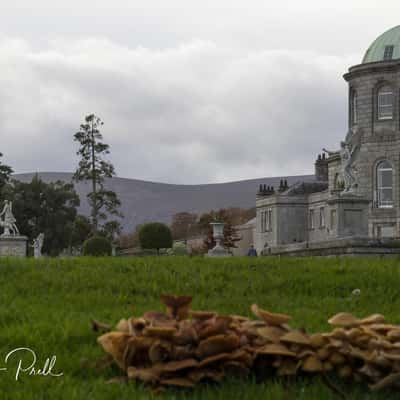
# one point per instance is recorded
(8, 221)
(348, 153)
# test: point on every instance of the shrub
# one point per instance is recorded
(97, 246)
(155, 235)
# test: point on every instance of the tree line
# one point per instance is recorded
(52, 208)
(186, 225)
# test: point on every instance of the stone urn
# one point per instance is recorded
(218, 235)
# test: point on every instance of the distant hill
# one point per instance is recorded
(144, 201)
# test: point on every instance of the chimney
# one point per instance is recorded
(321, 168)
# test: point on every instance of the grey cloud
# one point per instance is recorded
(194, 113)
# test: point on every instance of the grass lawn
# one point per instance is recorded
(47, 305)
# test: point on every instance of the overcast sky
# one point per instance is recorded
(189, 91)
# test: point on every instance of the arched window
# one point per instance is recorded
(384, 180)
(354, 109)
(385, 103)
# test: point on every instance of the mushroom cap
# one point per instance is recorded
(182, 352)
(164, 332)
(270, 318)
(214, 359)
(373, 319)
(216, 326)
(172, 300)
(202, 315)
(394, 356)
(123, 326)
(239, 318)
(381, 327)
(276, 349)
(344, 319)
(323, 353)
(160, 351)
(312, 364)
(296, 337)
(271, 333)
(394, 334)
(198, 375)
(177, 306)
(185, 335)
(174, 366)
(366, 355)
(217, 344)
(115, 343)
(137, 351)
(146, 375)
(317, 340)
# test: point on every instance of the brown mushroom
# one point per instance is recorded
(177, 306)
(146, 375)
(296, 337)
(275, 349)
(115, 343)
(317, 340)
(123, 326)
(215, 326)
(202, 315)
(217, 344)
(199, 375)
(271, 333)
(174, 366)
(162, 332)
(270, 318)
(373, 319)
(344, 319)
(160, 351)
(312, 364)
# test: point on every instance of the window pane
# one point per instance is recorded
(386, 196)
(385, 99)
(386, 178)
(388, 52)
(385, 103)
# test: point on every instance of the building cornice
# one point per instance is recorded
(373, 67)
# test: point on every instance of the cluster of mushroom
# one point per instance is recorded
(181, 347)
(365, 349)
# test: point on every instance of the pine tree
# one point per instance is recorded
(5, 172)
(94, 167)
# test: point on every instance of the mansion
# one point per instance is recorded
(353, 206)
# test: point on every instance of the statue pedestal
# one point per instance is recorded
(351, 215)
(13, 246)
(218, 251)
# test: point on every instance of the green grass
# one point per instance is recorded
(47, 304)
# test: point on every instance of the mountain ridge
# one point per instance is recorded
(146, 201)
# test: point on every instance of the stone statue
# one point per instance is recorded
(348, 153)
(7, 220)
(37, 245)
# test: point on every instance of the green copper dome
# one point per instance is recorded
(385, 47)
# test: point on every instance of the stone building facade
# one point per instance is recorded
(354, 202)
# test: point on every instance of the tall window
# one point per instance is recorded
(354, 109)
(311, 219)
(385, 103)
(269, 219)
(384, 179)
(322, 217)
